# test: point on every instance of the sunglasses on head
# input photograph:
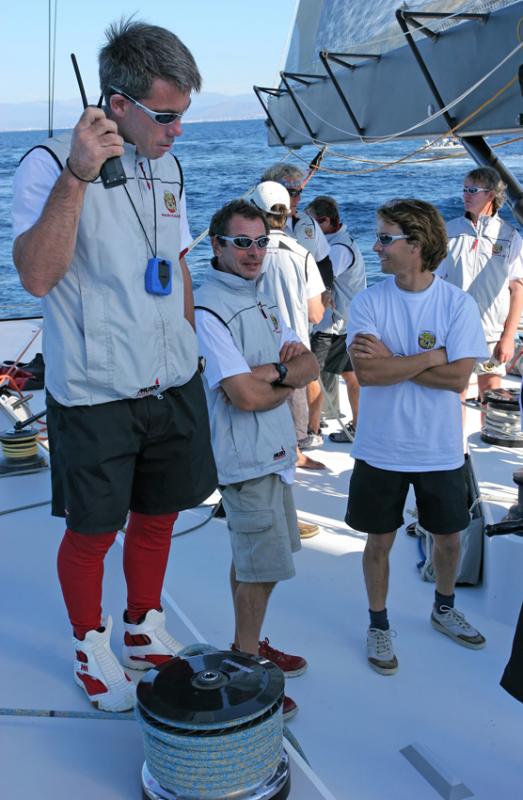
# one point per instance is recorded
(387, 238)
(474, 189)
(161, 117)
(245, 242)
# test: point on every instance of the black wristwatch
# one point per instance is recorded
(282, 373)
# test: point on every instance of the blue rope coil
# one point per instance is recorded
(210, 766)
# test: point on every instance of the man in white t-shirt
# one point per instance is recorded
(485, 259)
(413, 340)
(254, 363)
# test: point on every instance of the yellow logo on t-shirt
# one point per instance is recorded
(427, 340)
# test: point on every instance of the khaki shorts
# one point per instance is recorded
(263, 527)
(489, 368)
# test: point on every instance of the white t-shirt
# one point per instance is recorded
(33, 181)
(406, 427)
(223, 359)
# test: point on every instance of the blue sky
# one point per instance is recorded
(236, 43)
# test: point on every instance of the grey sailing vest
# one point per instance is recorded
(105, 337)
(346, 285)
(246, 444)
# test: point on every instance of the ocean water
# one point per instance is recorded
(221, 160)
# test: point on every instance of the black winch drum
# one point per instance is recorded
(503, 418)
(19, 452)
(213, 729)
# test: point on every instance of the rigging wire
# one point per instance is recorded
(52, 17)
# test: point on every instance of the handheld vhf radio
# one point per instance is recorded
(112, 172)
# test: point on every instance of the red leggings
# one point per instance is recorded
(81, 567)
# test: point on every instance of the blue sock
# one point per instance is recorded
(379, 619)
(443, 600)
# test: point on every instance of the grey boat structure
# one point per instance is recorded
(369, 72)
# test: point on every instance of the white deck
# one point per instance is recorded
(352, 723)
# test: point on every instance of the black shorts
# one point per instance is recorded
(148, 455)
(331, 351)
(377, 499)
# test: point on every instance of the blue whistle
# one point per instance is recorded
(158, 276)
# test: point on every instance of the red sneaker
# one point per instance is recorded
(290, 709)
(292, 666)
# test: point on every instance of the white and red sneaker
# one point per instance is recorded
(100, 674)
(147, 644)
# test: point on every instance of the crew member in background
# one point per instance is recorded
(300, 224)
(254, 363)
(329, 340)
(413, 340)
(307, 232)
(126, 410)
(485, 259)
(290, 276)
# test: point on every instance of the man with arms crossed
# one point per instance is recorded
(127, 418)
(254, 362)
(413, 340)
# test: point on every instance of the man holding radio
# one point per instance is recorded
(127, 418)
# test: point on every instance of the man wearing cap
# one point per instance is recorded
(254, 364)
(292, 278)
(301, 225)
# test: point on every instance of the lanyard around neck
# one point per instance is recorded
(153, 250)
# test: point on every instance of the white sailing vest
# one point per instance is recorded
(478, 263)
(284, 278)
(346, 285)
(105, 337)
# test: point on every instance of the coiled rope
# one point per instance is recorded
(206, 764)
(503, 425)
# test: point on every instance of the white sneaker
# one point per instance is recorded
(380, 652)
(147, 644)
(452, 623)
(99, 673)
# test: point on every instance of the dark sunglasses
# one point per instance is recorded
(387, 238)
(474, 189)
(294, 192)
(161, 117)
(245, 242)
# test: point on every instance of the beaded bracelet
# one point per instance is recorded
(78, 178)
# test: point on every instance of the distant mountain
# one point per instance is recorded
(207, 106)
